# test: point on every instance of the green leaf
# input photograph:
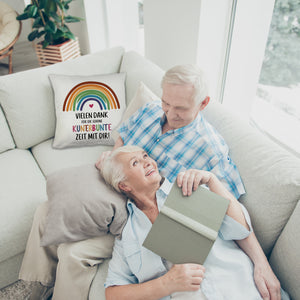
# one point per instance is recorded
(51, 27)
(48, 37)
(37, 23)
(32, 11)
(71, 19)
(56, 17)
(33, 35)
(70, 35)
(64, 28)
(23, 16)
(50, 6)
(41, 33)
(42, 4)
(59, 4)
(45, 44)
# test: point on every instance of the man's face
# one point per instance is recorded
(179, 105)
(140, 170)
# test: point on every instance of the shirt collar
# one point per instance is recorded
(161, 195)
(186, 128)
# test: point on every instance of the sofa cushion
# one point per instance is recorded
(140, 69)
(30, 107)
(142, 96)
(270, 174)
(82, 206)
(51, 160)
(88, 108)
(6, 141)
(285, 255)
(23, 187)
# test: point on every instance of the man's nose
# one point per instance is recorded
(170, 112)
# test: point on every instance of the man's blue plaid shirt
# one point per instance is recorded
(195, 146)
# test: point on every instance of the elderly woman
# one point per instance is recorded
(137, 273)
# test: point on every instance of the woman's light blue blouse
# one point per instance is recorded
(229, 271)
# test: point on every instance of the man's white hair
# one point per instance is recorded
(112, 170)
(188, 74)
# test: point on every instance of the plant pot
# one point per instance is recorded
(57, 53)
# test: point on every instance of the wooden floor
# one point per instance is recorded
(23, 58)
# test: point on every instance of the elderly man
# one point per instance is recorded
(141, 274)
(176, 135)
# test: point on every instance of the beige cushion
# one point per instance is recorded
(34, 119)
(23, 187)
(285, 255)
(6, 141)
(9, 26)
(82, 206)
(271, 175)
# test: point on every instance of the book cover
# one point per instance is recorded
(187, 226)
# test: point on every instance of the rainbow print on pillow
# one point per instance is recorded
(88, 108)
(88, 92)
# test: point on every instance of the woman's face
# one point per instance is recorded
(140, 170)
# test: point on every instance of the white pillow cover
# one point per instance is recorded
(87, 108)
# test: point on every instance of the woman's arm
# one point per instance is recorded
(184, 277)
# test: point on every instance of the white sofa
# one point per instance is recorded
(27, 124)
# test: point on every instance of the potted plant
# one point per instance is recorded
(49, 25)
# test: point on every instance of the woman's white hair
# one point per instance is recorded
(112, 170)
(188, 74)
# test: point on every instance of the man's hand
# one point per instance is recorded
(101, 159)
(189, 180)
(267, 283)
(183, 277)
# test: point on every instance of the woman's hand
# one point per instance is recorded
(183, 277)
(189, 180)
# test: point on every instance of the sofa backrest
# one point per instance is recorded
(27, 97)
(138, 69)
(270, 174)
(6, 140)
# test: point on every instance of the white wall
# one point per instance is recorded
(171, 31)
(96, 31)
(123, 23)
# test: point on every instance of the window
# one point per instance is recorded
(276, 108)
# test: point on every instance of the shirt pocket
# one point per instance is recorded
(133, 257)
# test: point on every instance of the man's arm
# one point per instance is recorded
(264, 277)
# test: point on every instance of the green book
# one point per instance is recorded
(187, 226)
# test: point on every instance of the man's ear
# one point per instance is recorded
(204, 103)
(124, 187)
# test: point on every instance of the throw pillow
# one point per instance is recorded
(87, 108)
(82, 206)
(142, 96)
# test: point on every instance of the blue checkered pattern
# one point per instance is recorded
(195, 146)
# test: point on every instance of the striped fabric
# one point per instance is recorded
(195, 146)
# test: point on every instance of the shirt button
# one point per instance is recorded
(157, 140)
